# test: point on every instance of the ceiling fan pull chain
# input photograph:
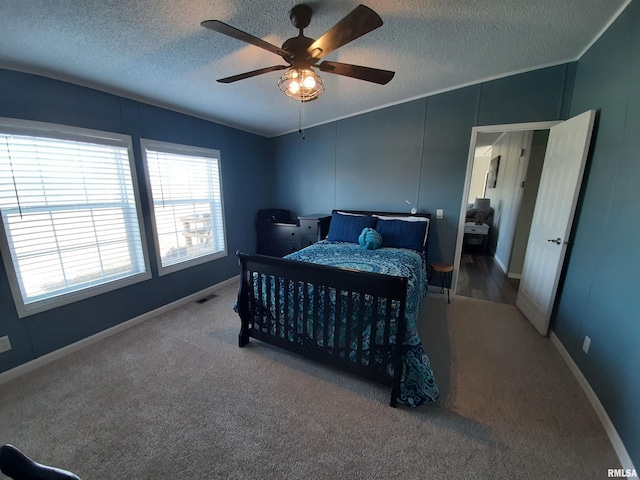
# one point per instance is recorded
(301, 117)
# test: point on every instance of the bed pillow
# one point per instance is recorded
(402, 233)
(351, 213)
(347, 228)
(410, 219)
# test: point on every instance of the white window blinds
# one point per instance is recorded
(186, 197)
(69, 213)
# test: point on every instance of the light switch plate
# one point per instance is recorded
(5, 344)
(439, 213)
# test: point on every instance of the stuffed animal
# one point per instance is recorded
(370, 239)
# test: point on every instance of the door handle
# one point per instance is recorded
(557, 241)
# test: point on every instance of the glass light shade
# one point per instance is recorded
(301, 84)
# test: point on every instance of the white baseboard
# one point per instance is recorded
(500, 264)
(85, 342)
(517, 276)
(614, 438)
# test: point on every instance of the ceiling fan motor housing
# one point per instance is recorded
(300, 16)
(297, 49)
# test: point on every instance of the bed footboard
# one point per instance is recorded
(346, 318)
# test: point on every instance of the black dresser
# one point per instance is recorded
(280, 238)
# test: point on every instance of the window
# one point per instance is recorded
(70, 215)
(186, 197)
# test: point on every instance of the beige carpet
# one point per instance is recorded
(175, 398)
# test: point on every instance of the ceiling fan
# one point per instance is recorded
(302, 54)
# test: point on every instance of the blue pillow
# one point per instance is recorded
(402, 234)
(347, 228)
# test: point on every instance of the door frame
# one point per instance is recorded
(509, 127)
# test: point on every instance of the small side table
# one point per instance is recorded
(476, 234)
(446, 271)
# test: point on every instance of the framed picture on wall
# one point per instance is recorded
(492, 176)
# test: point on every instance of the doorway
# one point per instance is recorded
(503, 171)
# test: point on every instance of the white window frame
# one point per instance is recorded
(64, 132)
(187, 150)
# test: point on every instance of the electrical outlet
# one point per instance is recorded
(5, 344)
(439, 213)
(585, 345)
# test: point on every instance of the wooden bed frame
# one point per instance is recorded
(259, 274)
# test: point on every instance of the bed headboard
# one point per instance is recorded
(392, 214)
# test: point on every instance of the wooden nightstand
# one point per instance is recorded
(278, 239)
(313, 228)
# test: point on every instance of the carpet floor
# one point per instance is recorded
(175, 398)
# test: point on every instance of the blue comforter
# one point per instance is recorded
(418, 385)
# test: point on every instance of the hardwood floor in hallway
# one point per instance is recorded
(480, 277)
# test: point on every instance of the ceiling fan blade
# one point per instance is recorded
(361, 20)
(220, 27)
(368, 74)
(253, 73)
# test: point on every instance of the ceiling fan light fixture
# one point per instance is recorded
(302, 84)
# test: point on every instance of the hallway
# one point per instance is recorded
(481, 278)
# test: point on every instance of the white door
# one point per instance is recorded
(552, 218)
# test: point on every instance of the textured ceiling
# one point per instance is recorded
(156, 51)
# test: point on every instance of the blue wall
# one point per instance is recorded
(245, 163)
(414, 151)
(418, 151)
(600, 297)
